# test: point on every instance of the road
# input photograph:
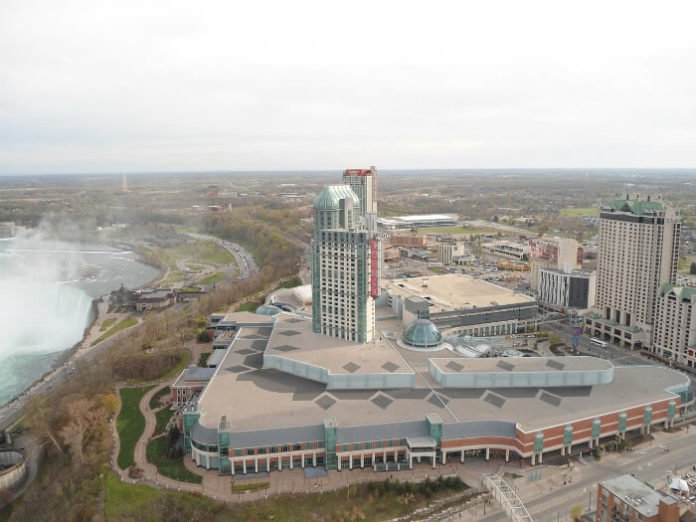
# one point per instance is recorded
(245, 261)
(649, 463)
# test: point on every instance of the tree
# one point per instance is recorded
(85, 418)
(576, 512)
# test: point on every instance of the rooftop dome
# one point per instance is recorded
(422, 333)
(329, 198)
(268, 310)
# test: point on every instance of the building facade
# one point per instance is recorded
(553, 253)
(566, 289)
(627, 499)
(364, 183)
(674, 335)
(638, 253)
(342, 267)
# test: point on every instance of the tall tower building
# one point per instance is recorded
(364, 184)
(638, 254)
(342, 302)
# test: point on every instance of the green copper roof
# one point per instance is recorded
(329, 198)
(636, 206)
(683, 292)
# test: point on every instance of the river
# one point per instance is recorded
(46, 293)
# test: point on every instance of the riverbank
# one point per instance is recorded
(117, 262)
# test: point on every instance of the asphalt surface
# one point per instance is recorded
(651, 462)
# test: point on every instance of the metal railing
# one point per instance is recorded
(507, 498)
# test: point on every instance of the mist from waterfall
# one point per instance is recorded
(46, 293)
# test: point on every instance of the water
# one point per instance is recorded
(46, 293)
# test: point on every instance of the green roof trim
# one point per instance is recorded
(682, 292)
(636, 206)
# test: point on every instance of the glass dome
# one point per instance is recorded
(422, 333)
(268, 310)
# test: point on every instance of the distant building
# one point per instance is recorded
(508, 249)
(567, 289)
(627, 499)
(364, 183)
(7, 229)
(418, 221)
(446, 253)
(674, 334)
(154, 299)
(638, 253)
(408, 241)
(555, 253)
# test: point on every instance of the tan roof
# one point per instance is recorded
(453, 291)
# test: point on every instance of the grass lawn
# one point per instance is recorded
(579, 212)
(457, 230)
(212, 279)
(130, 424)
(685, 264)
(154, 402)
(162, 417)
(145, 503)
(121, 325)
(183, 363)
(291, 283)
(361, 502)
(203, 359)
(172, 468)
(249, 307)
(108, 323)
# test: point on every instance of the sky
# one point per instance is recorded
(133, 86)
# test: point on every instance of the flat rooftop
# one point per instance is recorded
(293, 338)
(455, 291)
(256, 399)
(635, 493)
(518, 364)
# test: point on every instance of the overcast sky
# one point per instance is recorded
(92, 86)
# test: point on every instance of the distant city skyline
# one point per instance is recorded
(91, 87)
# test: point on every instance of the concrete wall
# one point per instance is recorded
(17, 470)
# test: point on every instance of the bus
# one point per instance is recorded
(598, 342)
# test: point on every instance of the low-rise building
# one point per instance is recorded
(418, 221)
(508, 249)
(627, 499)
(563, 289)
(461, 305)
(190, 382)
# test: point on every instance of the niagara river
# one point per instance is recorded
(46, 293)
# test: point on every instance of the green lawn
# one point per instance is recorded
(183, 363)
(172, 468)
(154, 402)
(291, 283)
(108, 323)
(365, 502)
(457, 230)
(131, 502)
(162, 417)
(121, 325)
(249, 307)
(579, 211)
(130, 424)
(212, 279)
(685, 264)
(203, 359)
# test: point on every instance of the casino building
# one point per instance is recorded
(287, 394)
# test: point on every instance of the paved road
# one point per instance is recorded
(245, 261)
(650, 462)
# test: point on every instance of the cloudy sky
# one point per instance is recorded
(92, 86)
